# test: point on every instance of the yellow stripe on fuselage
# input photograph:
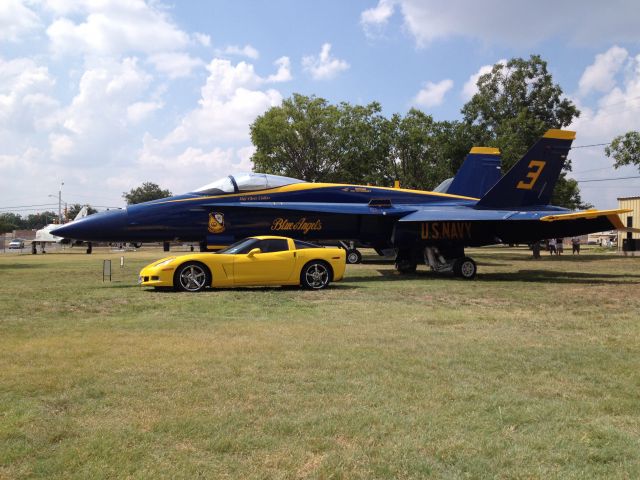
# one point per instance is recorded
(298, 187)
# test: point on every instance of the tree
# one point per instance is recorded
(625, 149)
(6, 227)
(36, 221)
(419, 150)
(515, 104)
(297, 139)
(12, 219)
(74, 209)
(146, 192)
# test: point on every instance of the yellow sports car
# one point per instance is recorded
(264, 260)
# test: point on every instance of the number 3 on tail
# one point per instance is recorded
(535, 169)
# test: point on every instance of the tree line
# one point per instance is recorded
(307, 137)
(36, 221)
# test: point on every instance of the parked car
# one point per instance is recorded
(16, 243)
(263, 260)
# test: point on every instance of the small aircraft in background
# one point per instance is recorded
(44, 235)
(434, 227)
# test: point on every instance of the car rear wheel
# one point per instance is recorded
(316, 275)
(192, 277)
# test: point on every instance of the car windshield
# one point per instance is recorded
(245, 182)
(243, 246)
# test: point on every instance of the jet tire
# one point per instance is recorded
(315, 275)
(465, 268)
(354, 256)
(191, 277)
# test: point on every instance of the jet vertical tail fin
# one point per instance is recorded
(479, 172)
(532, 179)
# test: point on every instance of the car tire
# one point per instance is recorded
(465, 268)
(192, 277)
(315, 275)
(353, 256)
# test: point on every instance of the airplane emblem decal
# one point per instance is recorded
(216, 222)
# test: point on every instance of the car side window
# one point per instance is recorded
(302, 245)
(273, 245)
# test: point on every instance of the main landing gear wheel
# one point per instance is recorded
(353, 256)
(315, 275)
(465, 268)
(191, 277)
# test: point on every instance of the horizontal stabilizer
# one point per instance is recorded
(612, 215)
(530, 182)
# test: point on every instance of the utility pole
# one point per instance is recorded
(60, 204)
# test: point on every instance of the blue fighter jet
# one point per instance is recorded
(434, 227)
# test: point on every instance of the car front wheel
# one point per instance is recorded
(192, 277)
(315, 275)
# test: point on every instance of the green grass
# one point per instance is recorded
(530, 371)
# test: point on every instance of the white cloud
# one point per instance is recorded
(499, 22)
(215, 135)
(175, 64)
(600, 75)
(246, 51)
(230, 101)
(470, 87)
(284, 71)
(203, 39)
(110, 98)
(323, 66)
(16, 19)
(25, 101)
(432, 94)
(114, 27)
(139, 111)
(616, 112)
(377, 16)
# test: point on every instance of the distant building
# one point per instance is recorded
(629, 242)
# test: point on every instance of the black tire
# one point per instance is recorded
(465, 268)
(192, 277)
(315, 275)
(354, 256)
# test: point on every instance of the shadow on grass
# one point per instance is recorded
(285, 288)
(535, 276)
(550, 276)
(18, 266)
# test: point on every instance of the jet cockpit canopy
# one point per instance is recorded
(245, 182)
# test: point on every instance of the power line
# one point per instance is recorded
(607, 179)
(594, 145)
(29, 206)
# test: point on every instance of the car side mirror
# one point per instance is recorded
(253, 251)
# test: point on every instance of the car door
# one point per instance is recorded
(272, 265)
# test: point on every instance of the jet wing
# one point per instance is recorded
(338, 208)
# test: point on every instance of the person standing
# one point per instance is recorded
(559, 246)
(552, 245)
(575, 245)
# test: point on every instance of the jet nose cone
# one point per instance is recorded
(107, 226)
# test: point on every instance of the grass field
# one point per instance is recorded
(530, 371)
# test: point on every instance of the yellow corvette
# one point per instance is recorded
(264, 260)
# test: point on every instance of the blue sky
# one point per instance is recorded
(106, 94)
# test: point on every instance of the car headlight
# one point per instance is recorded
(164, 262)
